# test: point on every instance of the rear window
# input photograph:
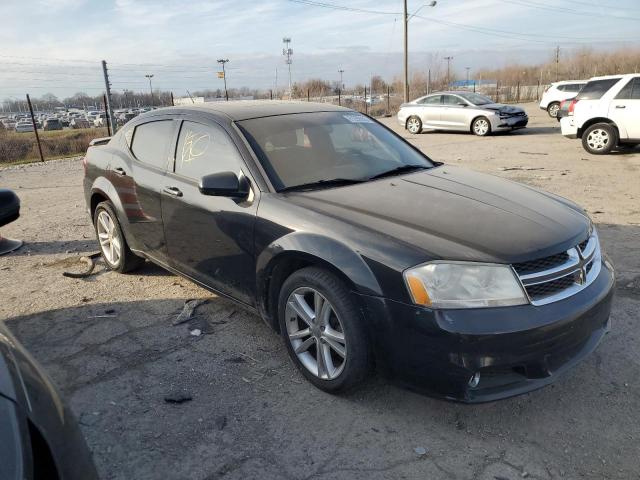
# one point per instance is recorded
(595, 89)
(150, 142)
(631, 91)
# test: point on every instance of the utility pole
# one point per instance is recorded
(222, 61)
(276, 84)
(150, 76)
(405, 24)
(35, 128)
(467, 68)
(448, 59)
(341, 71)
(557, 61)
(288, 52)
(110, 117)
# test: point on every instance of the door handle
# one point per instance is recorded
(175, 191)
(119, 171)
(621, 106)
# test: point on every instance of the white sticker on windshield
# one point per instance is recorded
(357, 118)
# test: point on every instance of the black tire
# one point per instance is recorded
(476, 126)
(357, 362)
(127, 260)
(414, 125)
(553, 108)
(600, 138)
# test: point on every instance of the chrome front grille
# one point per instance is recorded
(559, 276)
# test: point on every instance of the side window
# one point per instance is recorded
(150, 143)
(631, 91)
(595, 89)
(561, 88)
(451, 100)
(433, 100)
(204, 149)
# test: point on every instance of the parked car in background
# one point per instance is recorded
(23, 127)
(563, 110)
(78, 122)
(460, 111)
(605, 113)
(100, 120)
(355, 246)
(52, 124)
(39, 437)
(557, 92)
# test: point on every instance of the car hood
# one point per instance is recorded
(453, 213)
(499, 107)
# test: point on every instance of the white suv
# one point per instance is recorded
(557, 92)
(605, 113)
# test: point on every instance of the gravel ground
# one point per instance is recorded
(109, 344)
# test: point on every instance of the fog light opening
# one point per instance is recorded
(474, 381)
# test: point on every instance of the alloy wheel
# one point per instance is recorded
(110, 242)
(598, 139)
(553, 110)
(481, 127)
(316, 333)
(413, 125)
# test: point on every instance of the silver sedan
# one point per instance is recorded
(460, 111)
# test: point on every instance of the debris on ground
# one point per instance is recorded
(528, 169)
(535, 153)
(196, 332)
(91, 264)
(188, 310)
(420, 451)
(178, 397)
(234, 360)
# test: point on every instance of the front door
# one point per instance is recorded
(209, 238)
(625, 110)
(455, 115)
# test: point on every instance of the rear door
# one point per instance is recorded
(429, 109)
(624, 110)
(209, 238)
(139, 183)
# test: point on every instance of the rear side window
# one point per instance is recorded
(150, 143)
(451, 100)
(596, 89)
(205, 149)
(572, 87)
(434, 100)
(631, 91)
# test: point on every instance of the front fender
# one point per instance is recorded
(317, 249)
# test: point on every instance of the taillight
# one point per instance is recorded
(572, 105)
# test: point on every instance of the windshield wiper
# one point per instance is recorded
(334, 182)
(398, 171)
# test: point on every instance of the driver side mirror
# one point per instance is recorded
(224, 184)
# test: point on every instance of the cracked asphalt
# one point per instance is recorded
(109, 344)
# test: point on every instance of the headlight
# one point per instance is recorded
(464, 285)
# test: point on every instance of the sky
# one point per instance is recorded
(56, 45)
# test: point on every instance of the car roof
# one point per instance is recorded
(564, 82)
(606, 77)
(246, 109)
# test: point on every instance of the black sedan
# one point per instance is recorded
(39, 438)
(354, 246)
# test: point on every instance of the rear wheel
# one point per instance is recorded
(481, 126)
(113, 246)
(414, 124)
(322, 329)
(553, 109)
(600, 139)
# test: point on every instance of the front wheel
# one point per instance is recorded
(553, 109)
(113, 246)
(600, 139)
(414, 125)
(322, 328)
(481, 126)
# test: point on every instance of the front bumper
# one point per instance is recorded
(568, 127)
(509, 123)
(515, 349)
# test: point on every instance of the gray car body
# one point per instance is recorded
(460, 116)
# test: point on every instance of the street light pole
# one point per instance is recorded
(467, 84)
(448, 59)
(405, 23)
(150, 76)
(341, 71)
(224, 75)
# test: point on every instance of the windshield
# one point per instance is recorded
(476, 98)
(322, 147)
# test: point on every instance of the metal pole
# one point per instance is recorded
(35, 128)
(339, 97)
(429, 82)
(557, 60)
(518, 92)
(173, 104)
(104, 100)
(366, 107)
(405, 24)
(308, 95)
(388, 98)
(270, 94)
(497, 91)
(110, 116)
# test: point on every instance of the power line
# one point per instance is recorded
(552, 8)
